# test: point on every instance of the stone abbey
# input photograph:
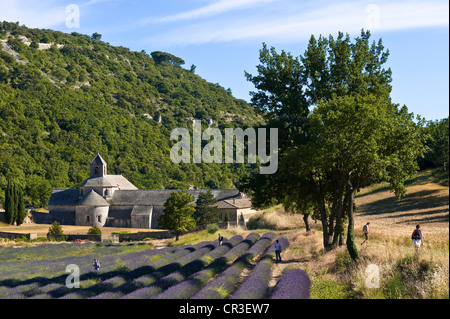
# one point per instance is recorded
(113, 201)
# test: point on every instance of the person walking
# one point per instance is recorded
(366, 233)
(220, 240)
(96, 264)
(277, 251)
(417, 238)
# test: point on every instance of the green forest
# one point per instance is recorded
(65, 97)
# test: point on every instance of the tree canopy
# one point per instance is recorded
(206, 210)
(178, 213)
(333, 107)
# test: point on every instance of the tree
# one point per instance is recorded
(164, 57)
(96, 36)
(352, 134)
(355, 140)
(437, 154)
(206, 211)
(11, 203)
(178, 213)
(94, 230)
(55, 229)
(15, 211)
(21, 211)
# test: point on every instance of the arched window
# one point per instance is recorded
(96, 170)
(88, 218)
(99, 218)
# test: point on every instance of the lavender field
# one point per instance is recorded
(205, 270)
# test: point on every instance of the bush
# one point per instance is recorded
(94, 230)
(294, 284)
(212, 228)
(55, 229)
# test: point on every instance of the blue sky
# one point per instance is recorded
(223, 37)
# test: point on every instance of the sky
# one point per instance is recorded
(222, 38)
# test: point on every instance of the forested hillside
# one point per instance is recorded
(65, 97)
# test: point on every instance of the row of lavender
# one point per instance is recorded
(46, 260)
(54, 285)
(225, 283)
(201, 271)
(192, 284)
(294, 284)
(256, 285)
(135, 272)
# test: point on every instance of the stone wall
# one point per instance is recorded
(78, 236)
(16, 235)
(164, 234)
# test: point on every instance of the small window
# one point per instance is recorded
(88, 218)
(96, 170)
(99, 218)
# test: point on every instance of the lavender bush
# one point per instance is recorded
(46, 277)
(225, 284)
(184, 266)
(156, 270)
(256, 285)
(294, 284)
(190, 286)
(190, 268)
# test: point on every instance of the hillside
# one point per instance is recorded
(65, 97)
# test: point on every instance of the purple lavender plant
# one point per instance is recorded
(224, 285)
(256, 285)
(294, 284)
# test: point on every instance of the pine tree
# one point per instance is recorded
(10, 203)
(206, 212)
(21, 211)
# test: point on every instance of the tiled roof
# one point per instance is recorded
(159, 197)
(98, 160)
(63, 196)
(93, 199)
(109, 181)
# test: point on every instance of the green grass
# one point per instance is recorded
(323, 288)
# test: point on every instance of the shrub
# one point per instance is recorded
(94, 230)
(55, 229)
(294, 284)
(212, 228)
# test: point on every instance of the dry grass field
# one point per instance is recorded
(391, 225)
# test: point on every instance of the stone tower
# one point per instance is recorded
(98, 167)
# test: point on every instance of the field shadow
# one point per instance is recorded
(428, 202)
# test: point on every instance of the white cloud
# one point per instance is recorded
(213, 9)
(35, 14)
(298, 23)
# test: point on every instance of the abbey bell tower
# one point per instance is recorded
(98, 167)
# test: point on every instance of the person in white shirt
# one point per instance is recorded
(366, 233)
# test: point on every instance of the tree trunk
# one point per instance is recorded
(351, 246)
(339, 211)
(306, 220)
(324, 219)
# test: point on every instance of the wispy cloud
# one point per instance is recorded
(216, 8)
(296, 23)
(37, 14)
